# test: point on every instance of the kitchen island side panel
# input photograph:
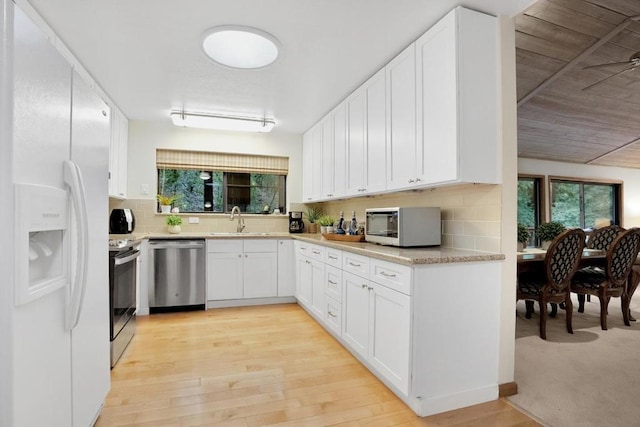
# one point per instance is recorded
(456, 327)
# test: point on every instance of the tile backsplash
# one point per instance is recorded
(471, 213)
(148, 221)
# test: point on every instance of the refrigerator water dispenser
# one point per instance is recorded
(42, 219)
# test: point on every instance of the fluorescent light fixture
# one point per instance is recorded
(240, 47)
(222, 122)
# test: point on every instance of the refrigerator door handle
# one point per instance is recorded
(73, 179)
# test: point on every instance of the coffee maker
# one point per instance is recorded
(296, 225)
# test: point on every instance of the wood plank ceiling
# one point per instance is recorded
(562, 115)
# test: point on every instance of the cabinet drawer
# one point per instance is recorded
(356, 264)
(333, 257)
(260, 245)
(310, 250)
(391, 275)
(333, 315)
(317, 252)
(333, 282)
(224, 245)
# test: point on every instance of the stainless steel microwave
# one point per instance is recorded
(403, 227)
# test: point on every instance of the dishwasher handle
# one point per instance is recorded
(176, 244)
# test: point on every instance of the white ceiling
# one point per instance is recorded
(146, 54)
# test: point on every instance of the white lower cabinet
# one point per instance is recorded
(286, 269)
(355, 325)
(376, 325)
(238, 269)
(310, 277)
(396, 320)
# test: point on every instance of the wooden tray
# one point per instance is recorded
(343, 237)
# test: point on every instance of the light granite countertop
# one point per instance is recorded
(406, 256)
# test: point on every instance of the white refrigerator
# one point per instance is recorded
(54, 290)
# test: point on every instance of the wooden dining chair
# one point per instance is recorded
(612, 281)
(601, 238)
(552, 285)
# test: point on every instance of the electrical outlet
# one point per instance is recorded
(144, 188)
(194, 220)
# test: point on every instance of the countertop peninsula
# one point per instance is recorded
(406, 256)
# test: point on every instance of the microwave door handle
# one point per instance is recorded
(73, 179)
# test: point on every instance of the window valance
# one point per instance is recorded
(227, 162)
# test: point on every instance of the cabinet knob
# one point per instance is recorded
(239, 256)
(246, 256)
(364, 286)
(332, 314)
(370, 288)
(410, 181)
(418, 180)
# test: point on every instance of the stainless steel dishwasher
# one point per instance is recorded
(177, 275)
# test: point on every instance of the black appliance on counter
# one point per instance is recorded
(296, 225)
(121, 221)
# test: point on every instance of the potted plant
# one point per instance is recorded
(165, 202)
(313, 214)
(547, 231)
(523, 237)
(326, 224)
(173, 224)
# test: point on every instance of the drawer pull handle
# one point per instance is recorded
(332, 314)
(332, 282)
(332, 257)
(387, 274)
(354, 264)
(316, 252)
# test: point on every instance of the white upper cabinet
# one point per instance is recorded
(456, 68)
(428, 118)
(402, 152)
(366, 138)
(328, 156)
(312, 164)
(376, 146)
(118, 154)
(340, 150)
(356, 138)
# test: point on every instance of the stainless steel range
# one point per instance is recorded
(122, 294)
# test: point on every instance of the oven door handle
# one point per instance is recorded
(124, 260)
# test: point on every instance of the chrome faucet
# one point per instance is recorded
(241, 224)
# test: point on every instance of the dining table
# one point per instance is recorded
(532, 259)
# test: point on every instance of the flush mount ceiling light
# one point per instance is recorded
(222, 122)
(240, 47)
(204, 175)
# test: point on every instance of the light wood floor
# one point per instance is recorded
(258, 366)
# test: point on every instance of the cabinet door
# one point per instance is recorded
(328, 153)
(224, 276)
(436, 53)
(390, 323)
(316, 162)
(307, 168)
(304, 280)
(355, 314)
(286, 269)
(118, 154)
(401, 118)
(260, 275)
(356, 140)
(340, 150)
(376, 146)
(317, 288)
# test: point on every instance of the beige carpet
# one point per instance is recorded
(590, 378)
